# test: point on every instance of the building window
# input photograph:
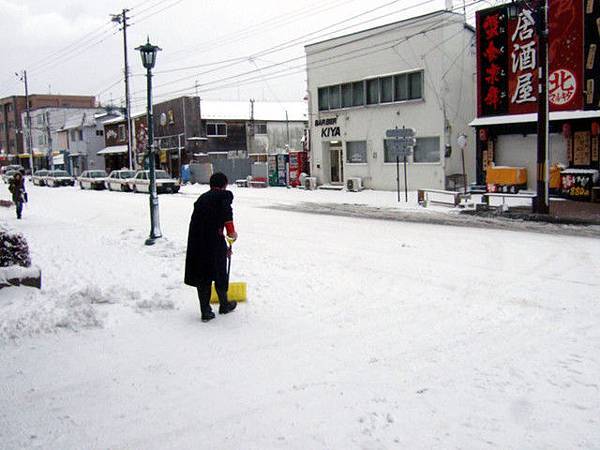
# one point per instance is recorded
(416, 85)
(358, 93)
(427, 150)
(41, 139)
(99, 132)
(74, 135)
(9, 107)
(81, 135)
(323, 99)
(40, 119)
(260, 128)
(346, 95)
(216, 129)
(386, 94)
(401, 88)
(334, 97)
(373, 91)
(122, 133)
(356, 152)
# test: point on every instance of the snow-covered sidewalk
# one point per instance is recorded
(358, 333)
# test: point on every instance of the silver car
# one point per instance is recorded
(39, 176)
(92, 179)
(164, 183)
(57, 178)
(117, 180)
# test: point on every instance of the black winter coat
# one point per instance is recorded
(16, 188)
(206, 244)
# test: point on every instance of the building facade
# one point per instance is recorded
(176, 132)
(508, 60)
(12, 124)
(418, 74)
(49, 144)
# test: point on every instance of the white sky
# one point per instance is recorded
(58, 43)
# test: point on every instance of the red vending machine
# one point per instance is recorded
(298, 164)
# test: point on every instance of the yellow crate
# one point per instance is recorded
(506, 176)
(235, 293)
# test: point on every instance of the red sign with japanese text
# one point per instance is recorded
(565, 51)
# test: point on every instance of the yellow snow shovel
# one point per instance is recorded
(236, 291)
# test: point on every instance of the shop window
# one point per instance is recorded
(99, 132)
(427, 150)
(356, 152)
(334, 97)
(216, 130)
(358, 93)
(346, 95)
(387, 90)
(373, 91)
(323, 99)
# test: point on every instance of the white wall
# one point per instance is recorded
(445, 56)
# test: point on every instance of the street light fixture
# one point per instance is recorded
(148, 53)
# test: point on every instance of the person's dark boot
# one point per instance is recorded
(227, 307)
(206, 317)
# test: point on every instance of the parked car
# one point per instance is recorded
(92, 179)
(39, 176)
(5, 169)
(57, 178)
(117, 180)
(164, 183)
(6, 176)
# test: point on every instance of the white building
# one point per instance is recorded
(418, 73)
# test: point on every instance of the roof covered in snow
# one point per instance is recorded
(263, 111)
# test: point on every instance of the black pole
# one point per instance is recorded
(542, 205)
(405, 178)
(155, 232)
(398, 176)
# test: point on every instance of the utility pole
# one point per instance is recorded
(121, 19)
(287, 128)
(252, 126)
(542, 204)
(29, 143)
(49, 133)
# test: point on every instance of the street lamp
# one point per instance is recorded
(148, 53)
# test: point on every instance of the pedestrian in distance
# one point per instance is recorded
(207, 249)
(16, 186)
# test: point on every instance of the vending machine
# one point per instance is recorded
(298, 165)
(282, 168)
(272, 170)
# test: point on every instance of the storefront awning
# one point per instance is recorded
(529, 118)
(114, 150)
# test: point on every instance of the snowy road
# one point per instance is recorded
(359, 333)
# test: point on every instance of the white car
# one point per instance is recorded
(164, 183)
(92, 179)
(39, 176)
(57, 178)
(117, 180)
(6, 176)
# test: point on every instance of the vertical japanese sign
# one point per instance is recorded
(523, 64)
(492, 62)
(565, 80)
(592, 54)
(515, 57)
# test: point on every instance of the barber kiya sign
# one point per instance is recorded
(507, 56)
(330, 127)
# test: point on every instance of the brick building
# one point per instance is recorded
(11, 126)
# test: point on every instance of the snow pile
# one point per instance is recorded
(28, 312)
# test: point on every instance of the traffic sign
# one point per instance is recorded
(401, 133)
(400, 148)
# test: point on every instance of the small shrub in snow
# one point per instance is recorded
(14, 250)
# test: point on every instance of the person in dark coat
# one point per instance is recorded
(16, 186)
(207, 250)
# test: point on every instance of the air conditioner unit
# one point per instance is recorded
(354, 184)
(310, 183)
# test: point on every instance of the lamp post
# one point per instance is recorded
(148, 53)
